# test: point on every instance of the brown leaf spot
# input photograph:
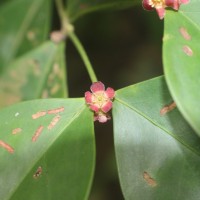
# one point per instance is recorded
(150, 181)
(38, 172)
(187, 50)
(51, 77)
(57, 71)
(56, 68)
(54, 122)
(185, 33)
(56, 110)
(6, 146)
(16, 130)
(31, 35)
(167, 108)
(45, 94)
(35, 66)
(55, 89)
(39, 114)
(37, 133)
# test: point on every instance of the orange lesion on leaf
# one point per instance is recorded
(37, 133)
(183, 31)
(31, 35)
(38, 172)
(187, 50)
(6, 146)
(39, 114)
(55, 89)
(167, 108)
(16, 131)
(45, 94)
(56, 110)
(150, 181)
(54, 122)
(35, 66)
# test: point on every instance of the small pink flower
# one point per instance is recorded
(160, 5)
(100, 101)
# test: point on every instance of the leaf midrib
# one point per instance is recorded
(184, 14)
(158, 125)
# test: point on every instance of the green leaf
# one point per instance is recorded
(56, 84)
(158, 156)
(59, 163)
(181, 53)
(40, 73)
(23, 26)
(77, 8)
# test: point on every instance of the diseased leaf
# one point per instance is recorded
(158, 154)
(77, 8)
(23, 26)
(56, 84)
(39, 73)
(47, 150)
(181, 53)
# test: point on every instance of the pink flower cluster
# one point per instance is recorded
(100, 101)
(160, 5)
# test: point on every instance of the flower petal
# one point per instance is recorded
(88, 97)
(146, 5)
(94, 107)
(97, 86)
(107, 106)
(161, 12)
(175, 4)
(110, 92)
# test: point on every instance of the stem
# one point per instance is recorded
(66, 26)
(84, 56)
(67, 29)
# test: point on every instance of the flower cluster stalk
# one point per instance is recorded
(68, 30)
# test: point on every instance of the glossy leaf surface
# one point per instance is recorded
(158, 156)
(39, 73)
(23, 26)
(53, 150)
(181, 53)
(77, 8)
